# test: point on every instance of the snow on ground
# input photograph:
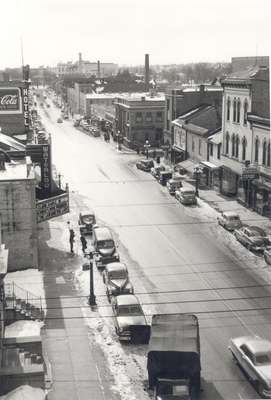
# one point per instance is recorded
(25, 392)
(127, 363)
(23, 328)
(30, 280)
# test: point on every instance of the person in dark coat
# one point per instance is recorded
(84, 243)
(72, 235)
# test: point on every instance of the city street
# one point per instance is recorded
(178, 258)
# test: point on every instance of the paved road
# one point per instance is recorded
(179, 259)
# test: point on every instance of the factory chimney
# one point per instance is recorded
(98, 69)
(147, 73)
(80, 62)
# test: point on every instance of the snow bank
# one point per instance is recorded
(23, 328)
(25, 392)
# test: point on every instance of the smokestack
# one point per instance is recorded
(80, 62)
(80, 58)
(147, 72)
(98, 69)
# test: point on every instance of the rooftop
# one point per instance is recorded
(247, 74)
(138, 96)
(17, 171)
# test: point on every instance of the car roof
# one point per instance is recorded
(116, 266)
(187, 189)
(127, 300)
(103, 233)
(258, 345)
(147, 161)
(85, 213)
(230, 214)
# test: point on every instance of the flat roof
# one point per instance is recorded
(159, 96)
(127, 300)
(16, 171)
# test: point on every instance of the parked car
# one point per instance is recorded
(155, 171)
(253, 354)
(116, 279)
(86, 221)
(95, 132)
(59, 120)
(105, 251)
(252, 237)
(130, 321)
(174, 184)
(267, 255)
(164, 177)
(65, 116)
(229, 220)
(186, 196)
(145, 165)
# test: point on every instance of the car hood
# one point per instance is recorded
(265, 372)
(126, 321)
(107, 252)
(119, 283)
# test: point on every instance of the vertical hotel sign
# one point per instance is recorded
(46, 168)
(26, 106)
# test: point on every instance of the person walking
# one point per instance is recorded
(84, 243)
(72, 235)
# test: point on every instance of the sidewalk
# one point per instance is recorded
(75, 361)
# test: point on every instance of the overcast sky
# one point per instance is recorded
(122, 31)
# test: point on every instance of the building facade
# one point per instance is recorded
(246, 134)
(19, 221)
(140, 117)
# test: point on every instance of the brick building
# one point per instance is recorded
(241, 63)
(18, 215)
(140, 117)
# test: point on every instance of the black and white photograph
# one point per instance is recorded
(135, 200)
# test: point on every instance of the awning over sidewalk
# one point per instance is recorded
(209, 165)
(188, 165)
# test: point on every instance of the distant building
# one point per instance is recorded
(99, 69)
(241, 63)
(140, 117)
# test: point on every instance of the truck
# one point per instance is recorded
(173, 360)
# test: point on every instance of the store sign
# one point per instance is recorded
(250, 172)
(10, 100)
(52, 207)
(46, 173)
(26, 106)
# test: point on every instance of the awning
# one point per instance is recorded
(178, 149)
(209, 165)
(188, 165)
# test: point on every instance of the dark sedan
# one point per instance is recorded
(145, 165)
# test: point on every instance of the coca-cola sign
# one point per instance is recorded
(10, 101)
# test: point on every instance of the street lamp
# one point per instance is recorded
(89, 266)
(118, 135)
(146, 147)
(197, 173)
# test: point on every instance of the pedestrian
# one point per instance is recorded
(84, 243)
(72, 235)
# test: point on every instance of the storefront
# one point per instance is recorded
(261, 196)
(212, 174)
(229, 181)
(177, 154)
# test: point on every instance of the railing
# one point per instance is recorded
(15, 296)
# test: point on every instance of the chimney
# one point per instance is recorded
(98, 69)
(80, 58)
(80, 62)
(147, 72)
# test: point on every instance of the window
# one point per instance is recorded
(256, 158)
(228, 109)
(199, 146)
(211, 149)
(244, 148)
(193, 145)
(227, 143)
(148, 117)
(245, 111)
(264, 152)
(268, 155)
(238, 110)
(247, 352)
(159, 116)
(234, 110)
(237, 142)
(138, 117)
(233, 145)
(219, 151)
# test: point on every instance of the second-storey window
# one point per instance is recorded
(234, 109)
(244, 148)
(138, 117)
(148, 117)
(228, 109)
(256, 158)
(245, 111)
(238, 110)
(227, 143)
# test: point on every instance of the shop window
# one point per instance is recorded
(228, 109)
(234, 109)
(238, 110)
(227, 143)
(256, 158)
(233, 145)
(159, 116)
(245, 111)
(244, 148)
(199, 146)
(268, 155)
(264, 152)
(219, 151)
(138, 117)
(237, 142)
(148, 117)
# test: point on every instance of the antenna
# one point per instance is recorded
(22, 51)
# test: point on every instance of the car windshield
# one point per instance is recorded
(233, 218)
(105, 244)
(191, 193)
(88, 219)
(129, 310)
(263, 359)
(122, 274)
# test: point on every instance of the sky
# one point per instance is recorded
(122, 31)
